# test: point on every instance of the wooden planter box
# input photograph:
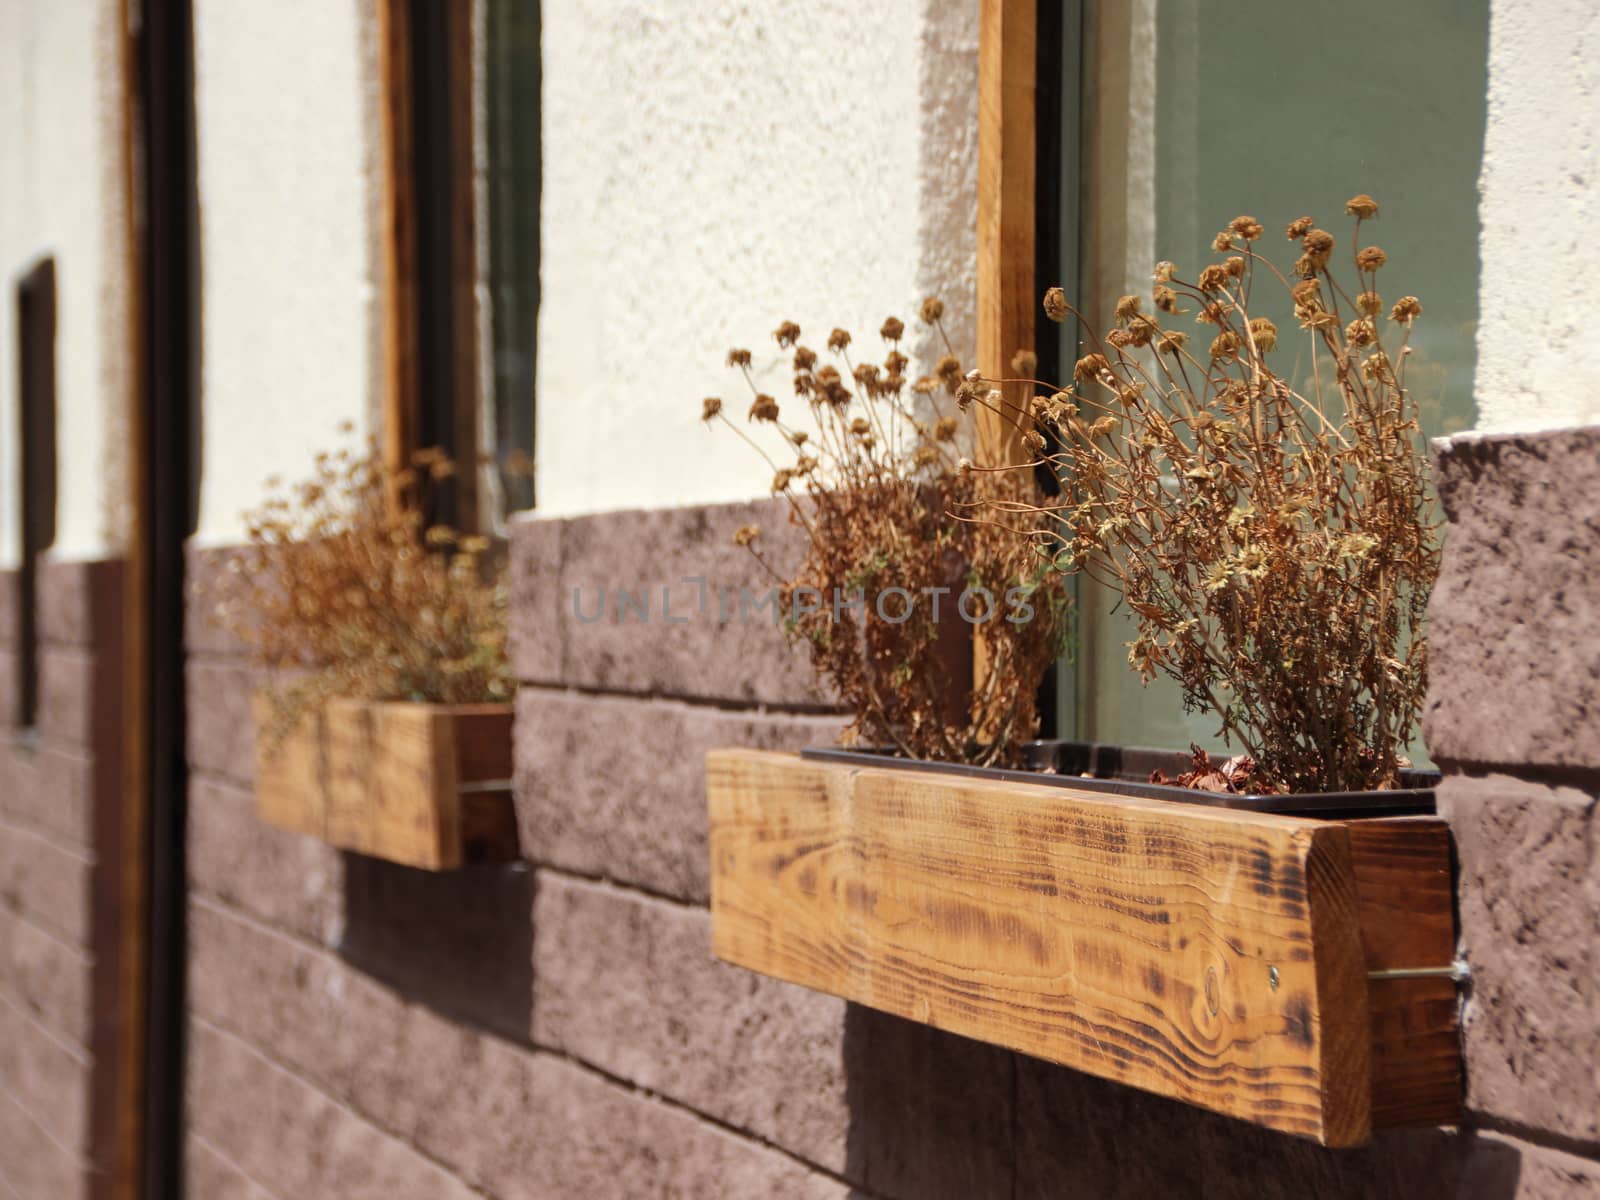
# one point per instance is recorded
(425, 785)
(1239, 961)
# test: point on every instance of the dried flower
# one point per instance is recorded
(1163, 272)
(1127, 308)
(948, 368)
(1166, 300)
(1281, 583)
(1172, 341)
(1213, 279)
(892, 329)
(804, 359)
(346, 585)
(710, 407)
(787, 334)
(1407, 309)
(1298, 228)
(1371, 258)
(945, 428)
(1223, 241)
(1361, 206)
(932, 310)
(1246, 227)
(765, 408)
(1025, 363)
(838, 340)
(782, 480)
(1318, 246)
(746, 534)
(1090, 367)
(738, 358)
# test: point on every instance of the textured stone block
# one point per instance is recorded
(46, 978)
(33, 1165)
(208, 1175)
(629, 984)
(49, 1078)
(1082, 1136)
(80, 604)
(460, 942)
(597, 1139)
(49, 790)
(1529, 929)
(48, 881)
(294, 1139)
(1513, 647)
(932, 1115)
(670, 634)
(77, 699)
(1504, 1168)
(615, 786)
(222, 731)
(537, 635)
(292, 882)
(202, 635)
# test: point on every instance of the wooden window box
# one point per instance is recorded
(1235, 960)
(424, 785)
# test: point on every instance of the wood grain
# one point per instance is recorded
(290, 790)
(1007, 169)
(1131, 939)
(1404, 885)
(402, 782)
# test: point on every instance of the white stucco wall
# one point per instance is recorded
(1537, 361)
(61, 194)
(287, 139)
(710, 169)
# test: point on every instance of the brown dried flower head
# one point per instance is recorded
(1318, 246)
(764, 408)
(932, 310)
(1370, 304)
(839, 340)
(746, 534)
(1055, 305)
(1361, 206)
(1025, 364)
(1371, 258)
(1406, 309)
(710, 407)
(892, 329)
(1246, 227)
(1298, 228)
(738, 358)
(786, 334)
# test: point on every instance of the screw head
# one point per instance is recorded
(1272, 978)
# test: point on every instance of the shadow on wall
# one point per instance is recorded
(939, 1117)
(460, 942)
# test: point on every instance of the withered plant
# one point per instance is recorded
(876, 482)
(345, 590)
(1273, 538)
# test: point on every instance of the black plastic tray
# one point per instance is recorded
(1124, 770)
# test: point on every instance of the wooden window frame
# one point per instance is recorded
(36, 313)
(431, 387)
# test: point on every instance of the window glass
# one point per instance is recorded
(1200, 110)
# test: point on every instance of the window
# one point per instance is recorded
(36, 394)
(1177, 115)
(461, 246)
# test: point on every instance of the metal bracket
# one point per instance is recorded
(1460, 971)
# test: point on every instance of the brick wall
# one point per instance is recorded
(59, 931)
(559, 1028)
